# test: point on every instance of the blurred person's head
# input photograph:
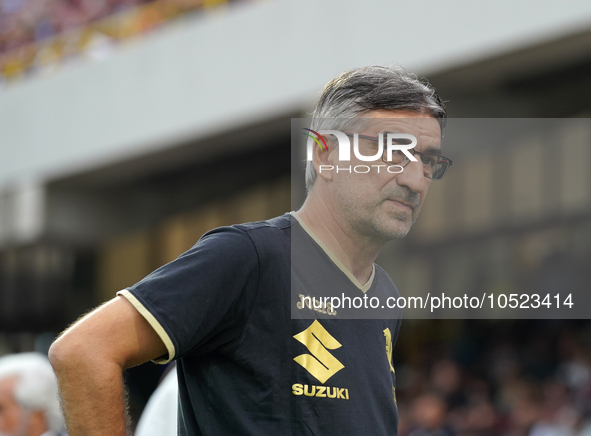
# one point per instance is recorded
(446, 376)
(29, 404)
(555, 395)
(524, 414)
(478, 418)
(429, 412)
(522, 400)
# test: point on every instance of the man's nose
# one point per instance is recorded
(412, 177)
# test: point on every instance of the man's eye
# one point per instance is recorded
(429, 160)
(396, 155)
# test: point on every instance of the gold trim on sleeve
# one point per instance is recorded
(155, 325)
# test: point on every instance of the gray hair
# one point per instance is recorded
(359, 91)
(36, 386)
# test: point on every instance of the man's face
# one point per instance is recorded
(11, 414)
(383, 205)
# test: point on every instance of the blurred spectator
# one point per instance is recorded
(29, 404)
(160, 415)
(429, 413)
(39, 35)
(530, 378)
(446, 379)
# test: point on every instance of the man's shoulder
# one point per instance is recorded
(256, 231)
(243, 238)
(282, 222)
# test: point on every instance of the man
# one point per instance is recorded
(245, 364)
(29, 405)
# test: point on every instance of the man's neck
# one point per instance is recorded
(356, 253)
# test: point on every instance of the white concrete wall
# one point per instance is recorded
(210, 72)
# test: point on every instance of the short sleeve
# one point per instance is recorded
(202, 299)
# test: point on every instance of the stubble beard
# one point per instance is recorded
(379, 224)
(389, 225)
(376, 220)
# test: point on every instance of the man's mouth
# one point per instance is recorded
(402, 203)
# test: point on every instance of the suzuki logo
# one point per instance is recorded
(320, 363)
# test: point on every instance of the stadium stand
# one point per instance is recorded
(38, 36)
(495, 378)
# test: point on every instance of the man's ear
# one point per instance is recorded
(38, 422)
(324, 158)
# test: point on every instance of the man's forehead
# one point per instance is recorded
(9, 380)
(398, 121)
(7, 385)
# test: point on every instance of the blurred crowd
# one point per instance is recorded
(39, 36)
(468, 378)
(29, 404)
(528, 378)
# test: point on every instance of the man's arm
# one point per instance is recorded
(88, 359)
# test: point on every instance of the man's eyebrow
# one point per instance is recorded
(433, 150)
(387, 132)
